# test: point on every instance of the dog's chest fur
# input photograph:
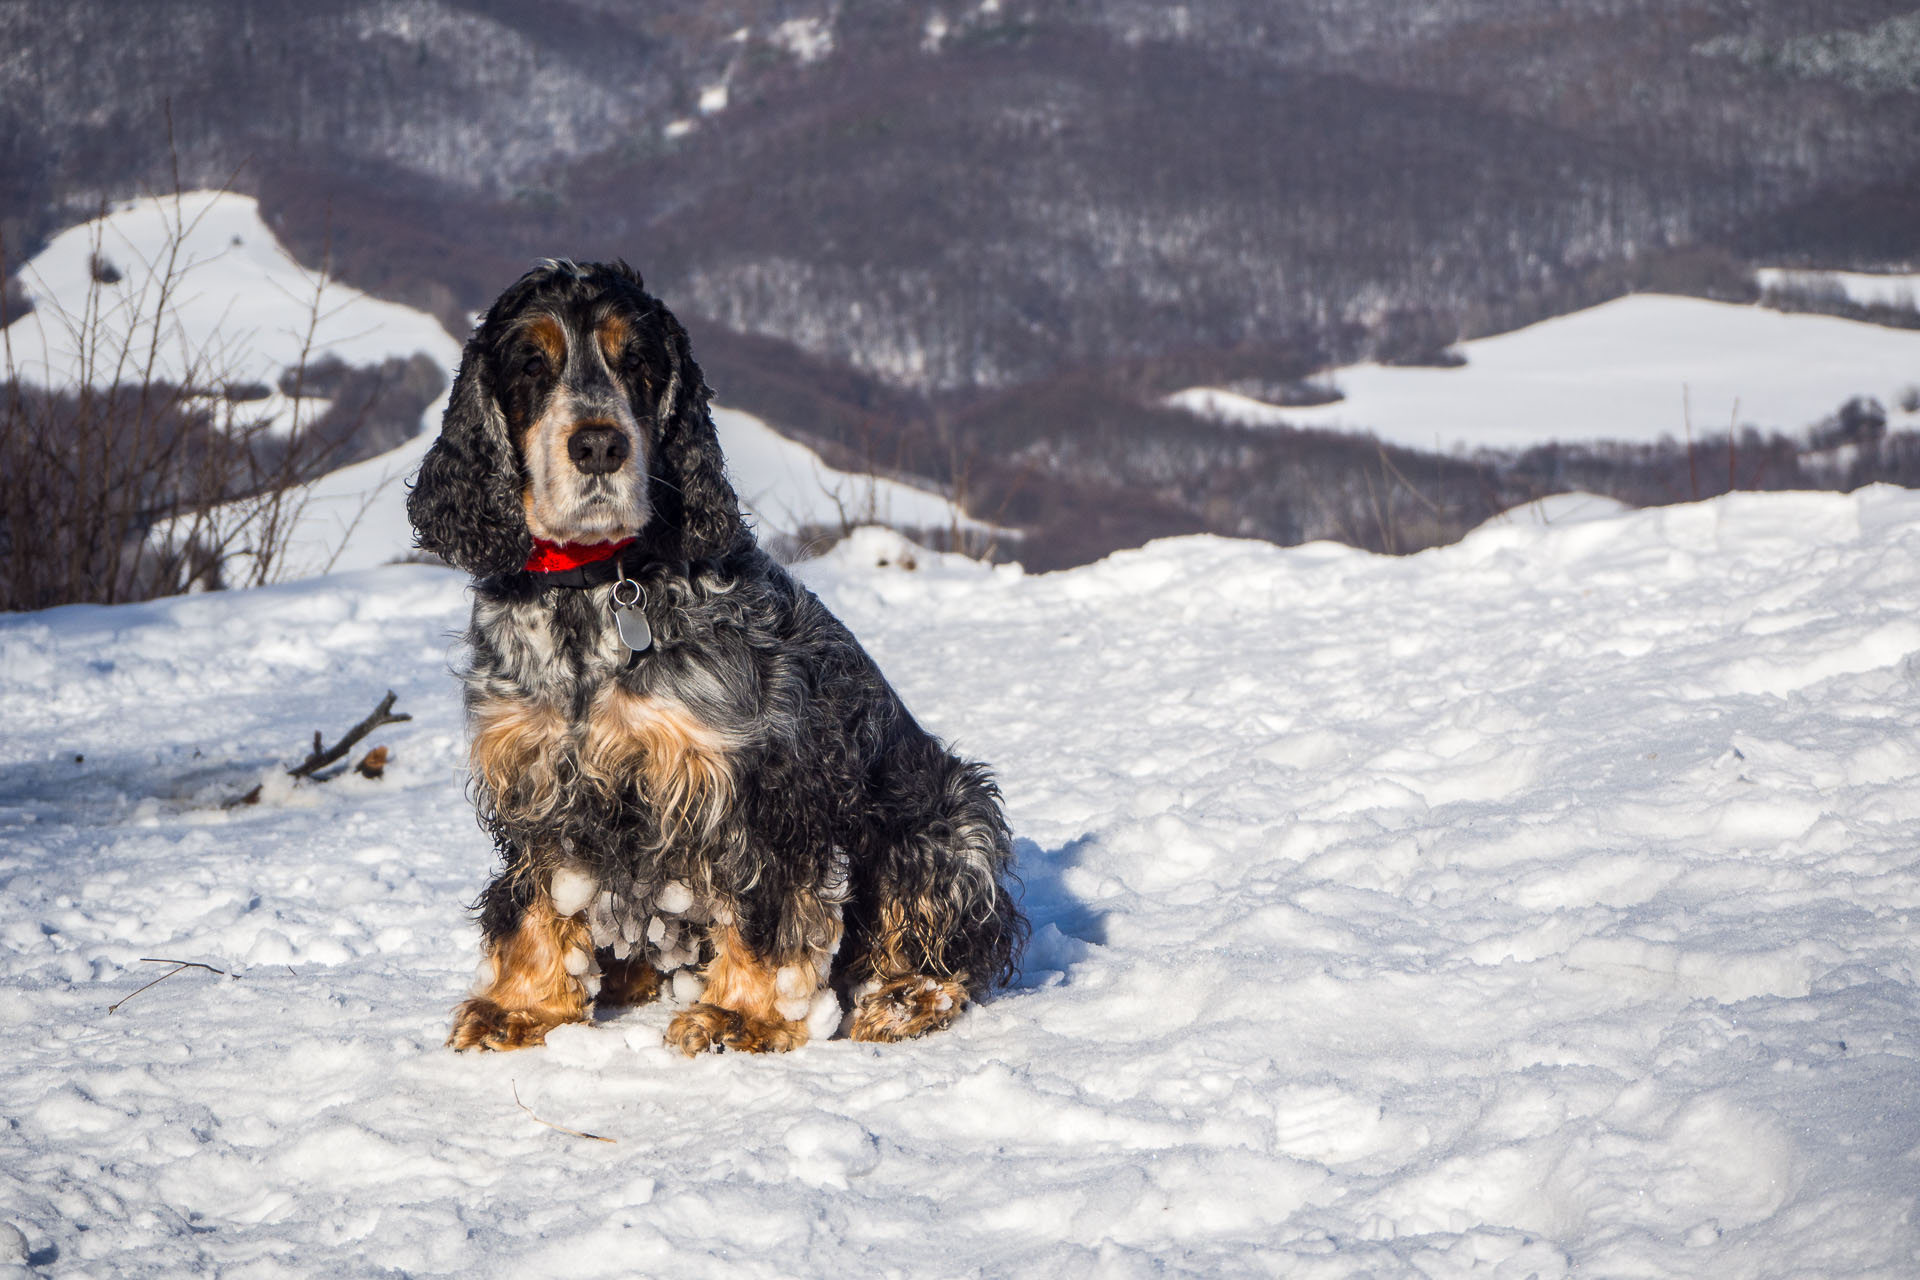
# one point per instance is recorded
(554, 701)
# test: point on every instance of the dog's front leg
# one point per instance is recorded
(538, 975)
(756, 1003)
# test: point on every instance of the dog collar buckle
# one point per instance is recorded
(629, 616)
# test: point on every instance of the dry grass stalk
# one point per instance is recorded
(550, 1124)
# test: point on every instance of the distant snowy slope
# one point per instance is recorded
(788, 487)
(239, 301)
(1638, 368)
(1543, 905)
(1901, 292)
(356, 518)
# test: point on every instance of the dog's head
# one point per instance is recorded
(578, 416)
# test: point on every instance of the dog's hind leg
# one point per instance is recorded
(538, 975)
(938, 926)
(632, 981)
(907, 989)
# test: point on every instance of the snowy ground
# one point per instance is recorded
(1639, 368)
(1544, 905)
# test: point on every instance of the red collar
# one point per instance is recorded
(553, 557)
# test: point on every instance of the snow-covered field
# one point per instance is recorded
(1866, 289)
(1543, 905)
(1639, 368)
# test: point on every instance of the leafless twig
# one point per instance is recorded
(179, 965)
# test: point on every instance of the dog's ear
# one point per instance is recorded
(465, 503)
(689, 489)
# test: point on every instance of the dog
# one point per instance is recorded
(695, 776)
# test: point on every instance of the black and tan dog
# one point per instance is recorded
(689, 766)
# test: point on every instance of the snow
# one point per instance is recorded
(808, 40)
(1546, 904)
(1863, 288)
(1640, 369)
(240, 308)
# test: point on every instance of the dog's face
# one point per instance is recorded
(585, 383)
(578, 416)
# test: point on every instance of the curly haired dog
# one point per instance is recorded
(691, 769)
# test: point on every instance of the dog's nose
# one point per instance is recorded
(597, 450)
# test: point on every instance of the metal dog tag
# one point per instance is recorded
(628, 617)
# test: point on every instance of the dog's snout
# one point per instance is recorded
(596, 451)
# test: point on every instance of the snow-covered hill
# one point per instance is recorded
(203, 294)
(1639, 368)
(199, 283)
(1543, 905)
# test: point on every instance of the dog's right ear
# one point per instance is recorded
(465, 503)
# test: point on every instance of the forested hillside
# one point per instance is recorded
(885, 220)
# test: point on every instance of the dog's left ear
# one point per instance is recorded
(689, 490)
(465, 503)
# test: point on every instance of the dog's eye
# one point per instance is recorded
(535, 367)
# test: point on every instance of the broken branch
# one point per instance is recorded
(320, 759)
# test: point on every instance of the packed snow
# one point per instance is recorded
(1543, 905)
(1641, 368)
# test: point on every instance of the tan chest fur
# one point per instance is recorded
(523, 750)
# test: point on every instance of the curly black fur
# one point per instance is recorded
(836, 795)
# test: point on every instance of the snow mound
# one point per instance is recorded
(1540, 905)
(789, 489)
(1577, 507)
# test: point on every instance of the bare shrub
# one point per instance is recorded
(143, 472)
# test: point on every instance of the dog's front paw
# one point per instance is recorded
(482, 1024)
(907, 1007)
(707, 1027)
